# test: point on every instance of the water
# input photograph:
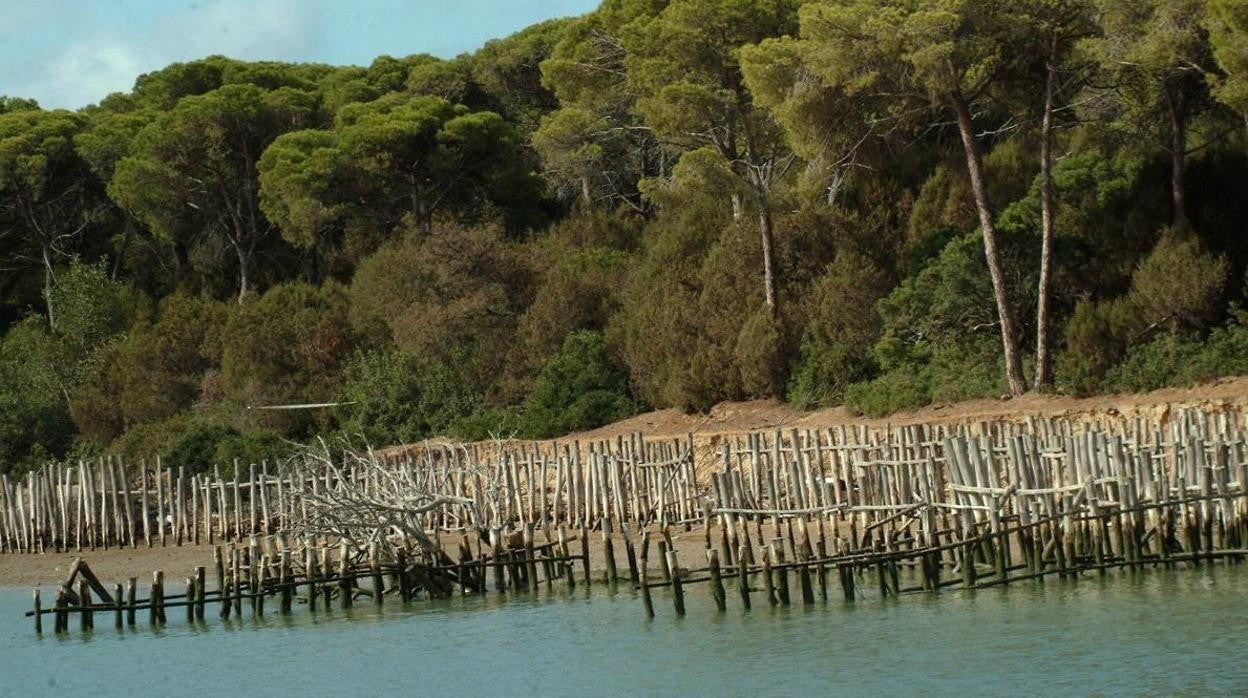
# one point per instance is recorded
(1158, 633)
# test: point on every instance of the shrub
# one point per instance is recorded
(1096, 338)
(287, 346)
(401, 397)
(580, 388)
(1181, 360)
(898, 389)
(35, 422)
(1179, 286)
(843, 323)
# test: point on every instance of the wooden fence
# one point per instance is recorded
(107, 503)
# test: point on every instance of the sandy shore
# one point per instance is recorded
(113, 566)
(109, 565)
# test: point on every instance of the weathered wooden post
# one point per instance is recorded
(190, 600)
(131, 600)
(717, 581)
(678, 590)
(86, 620)
(119, 604)
(200, 581)
(38, 613)
(743, 575)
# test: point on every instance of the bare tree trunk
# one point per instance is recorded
(49, 279)
(738, 207)
(1178, 151)
(1044, 369)
(769, 273)
(121, 249)
(974, 165)
(244, 272)
(587, 196)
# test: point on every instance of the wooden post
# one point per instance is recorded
(631, 553)
(200, 580)
(156, 615)
(678, 590)
(344, 582)
(645, 586)
(782, 574)
(717, 582)
(286, 581)
(131, 601)
(585, 549)
(743, 576)
(62, 616)
(119, 603)
(608, 551)
(664, 566)
(147, 516)
(263, 585)
(768, 584)
(38, 613)
(84, 604)
(405, 593)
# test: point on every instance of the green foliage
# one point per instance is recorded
(204, 445)
(1228, 34)
(288, 346)
(392, 244)
(401, 397)
(579, 388)
(843, 323)
(91, 308)
(35, 424)
(456, 291)
(1177, 288)
(398, 158)
(1173, 359)
(893, 391)
(578, 288)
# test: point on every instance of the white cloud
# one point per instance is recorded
(92, 60)
(249, 29)
(87, 72)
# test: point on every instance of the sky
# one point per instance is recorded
(70, 53)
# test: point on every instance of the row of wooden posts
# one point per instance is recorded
(914, 508)
(319, 575)
(973, 507)
(107, 503)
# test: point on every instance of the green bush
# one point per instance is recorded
(580, 388)
(288, 346)
(899, 389)
(843, 323)
(1180, 360)
(401, 397)
(35, 423)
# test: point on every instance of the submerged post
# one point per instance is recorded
(678, 590)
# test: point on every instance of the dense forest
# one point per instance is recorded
(876, 203)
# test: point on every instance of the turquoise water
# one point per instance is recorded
(1157, 633)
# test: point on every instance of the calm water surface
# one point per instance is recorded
(1157, 633)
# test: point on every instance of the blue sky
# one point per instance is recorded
(69, 53)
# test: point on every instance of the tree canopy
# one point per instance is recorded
(871, 203)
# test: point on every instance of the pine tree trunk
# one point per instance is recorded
(49, 279)
(244, 272)
(1044, 369)
(769, 273)
(1178, 151)
(974, 165)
